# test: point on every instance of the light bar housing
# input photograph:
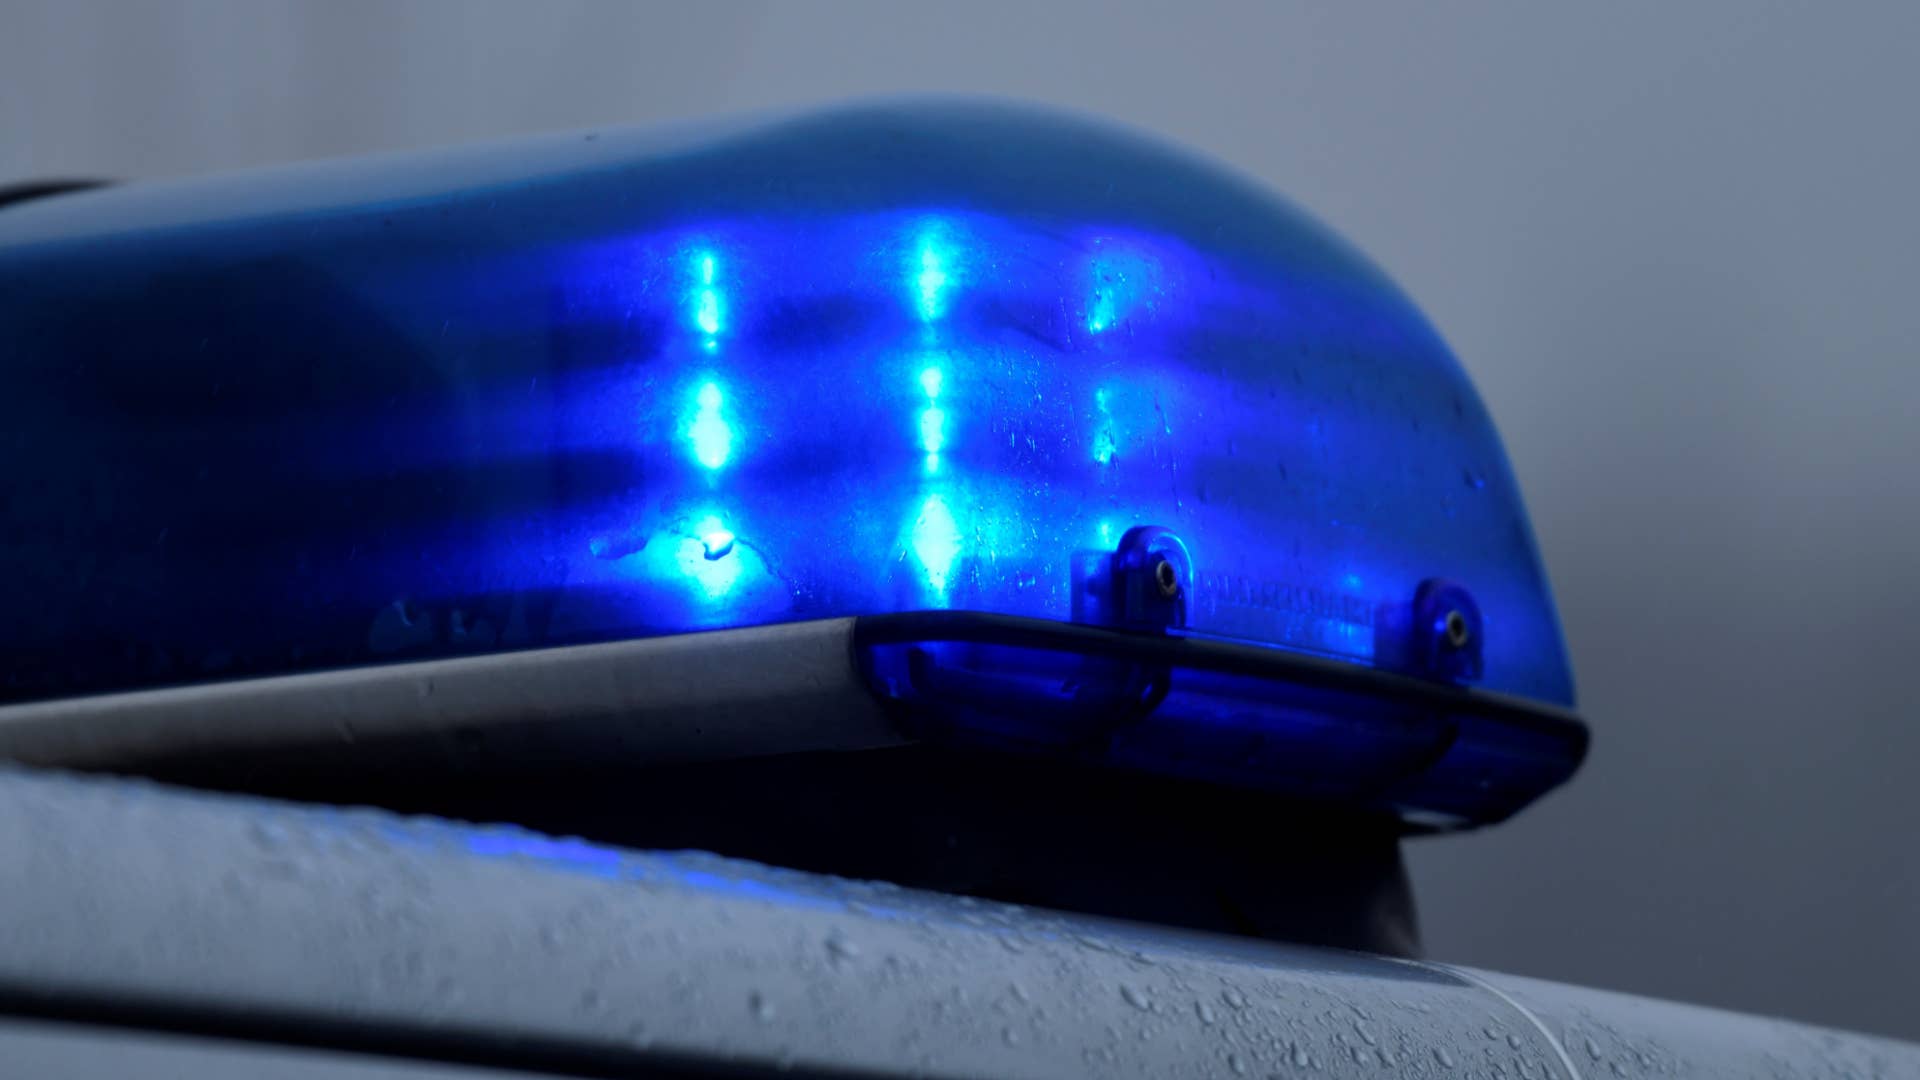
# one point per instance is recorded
(1002, 366)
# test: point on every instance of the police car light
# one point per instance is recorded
(1107, 452)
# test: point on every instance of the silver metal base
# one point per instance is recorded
(693, 697)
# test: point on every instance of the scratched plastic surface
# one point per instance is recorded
(621, 385)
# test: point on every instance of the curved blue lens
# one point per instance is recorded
(882, 360)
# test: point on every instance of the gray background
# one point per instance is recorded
(1676, 247)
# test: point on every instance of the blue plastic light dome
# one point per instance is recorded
(902, 359)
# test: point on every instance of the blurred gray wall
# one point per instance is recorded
(1676, 245)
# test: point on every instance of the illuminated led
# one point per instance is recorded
(707, 311)
(933, 429)
(932, 274)
(932, 280)
(936, 541)
(712, 440)
(933, 419)
(711, 435)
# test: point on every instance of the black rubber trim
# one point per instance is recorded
(1229, 658)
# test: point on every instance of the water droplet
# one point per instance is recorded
(1020, 992)
(1513, 1041)
(1387, 1060)
(1204, 1011)
(840, 949)
(1239, 1067)
(267, 834)
(1135, 998)
(1593, 1049)
(1234, 998)
(717, 545)
(1445, 1059)
(1297, 1055)
(1366, 1036)
(1619, 1070)
(1492, 1033)
(1359, 1055)
(1010, 1036)
(761, 1007)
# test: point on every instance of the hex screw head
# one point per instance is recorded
(1167, 578)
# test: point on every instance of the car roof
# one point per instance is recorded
(134, 903)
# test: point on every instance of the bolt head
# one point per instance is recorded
(1166, 578)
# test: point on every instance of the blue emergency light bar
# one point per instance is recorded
(1109, 450)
